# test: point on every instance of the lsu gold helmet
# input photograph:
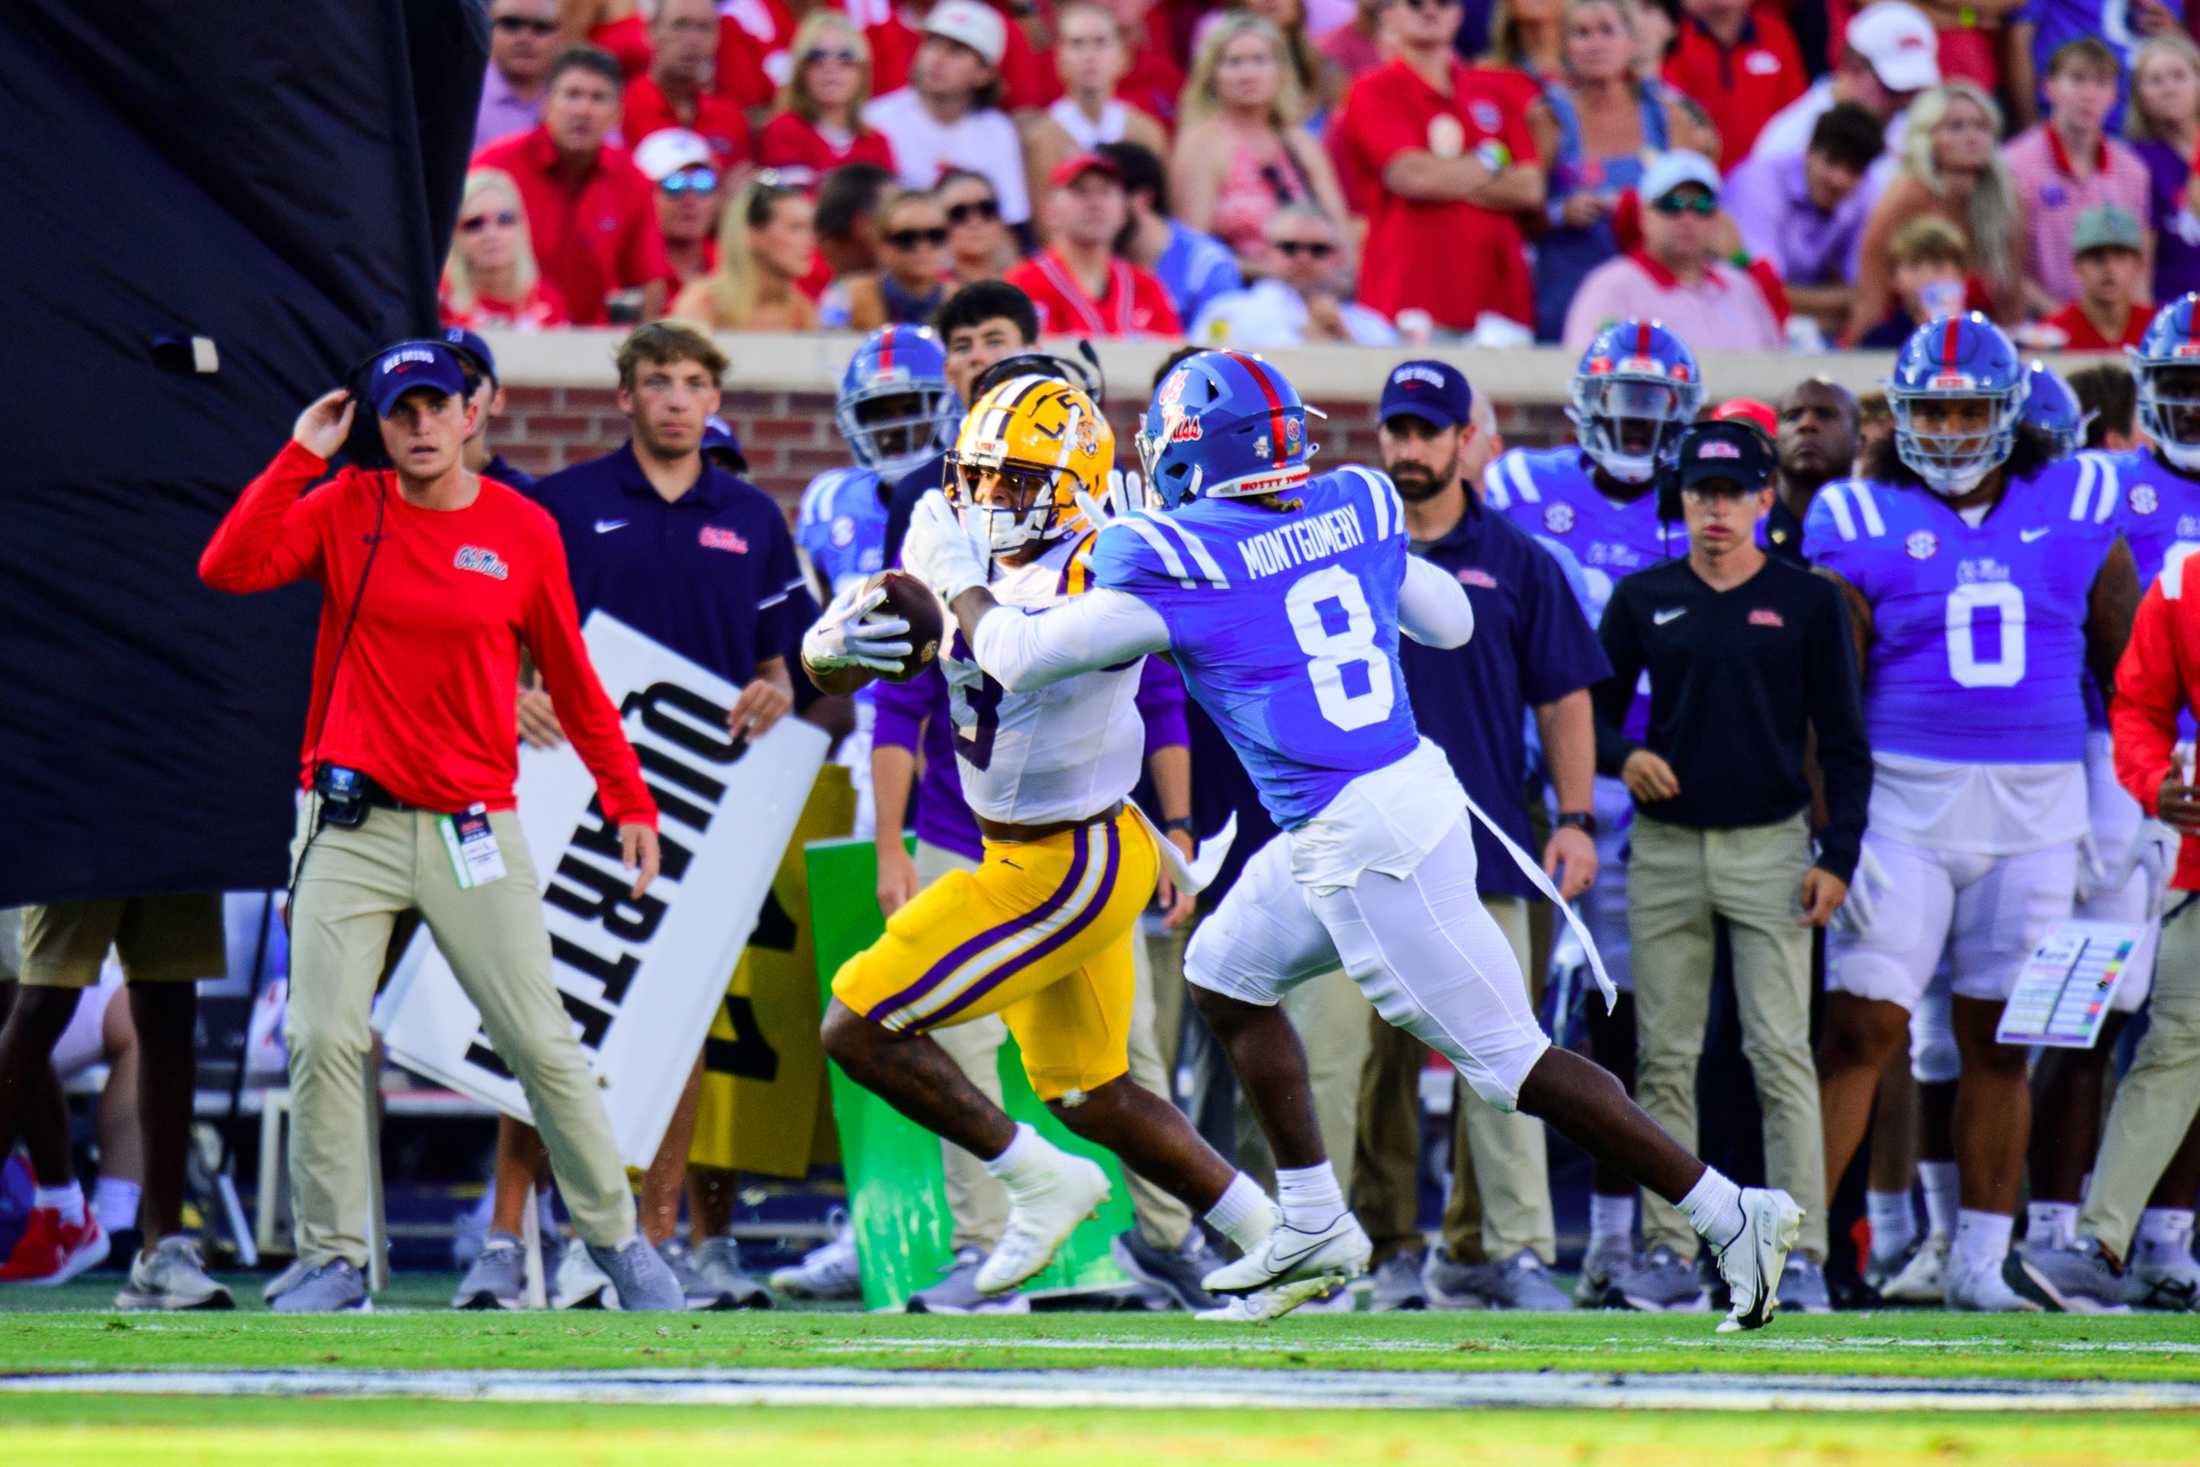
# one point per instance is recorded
(1024, 451)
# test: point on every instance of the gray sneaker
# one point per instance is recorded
(1398, 1283)
(172, 1276)
(1662, 1281)
(718, 1264)
(497, 1278)
(1175, 1272)
(2170, 1282)
(832, 1271)
(643, 1282)
(1603, 1263)
(285, 1281)
(2073, 1280)
(957, 1291)
(1803, 1287)
(1521, 1282)
(332, 1288)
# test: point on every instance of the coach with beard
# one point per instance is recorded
(1532, 649)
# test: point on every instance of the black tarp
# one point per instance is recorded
(279, 177)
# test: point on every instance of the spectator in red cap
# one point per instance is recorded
(591, 213)
(1077, 282)
(491, 278)
(1677, 276)
(685, 170)
(1739, 61)
(1442, 160)
(523, 38)
(2109, 255)
(1243, 150)
(820, 122)
(676, 91)
(1091, 59)
(949, 115)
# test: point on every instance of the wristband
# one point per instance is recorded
(1183, 823)
(1580, 820)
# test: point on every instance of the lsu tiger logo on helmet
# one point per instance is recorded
(1024, 451)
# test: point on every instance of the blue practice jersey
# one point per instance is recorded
(1978, 635)
(1285, 626)
(842, 526)
(1551, 493)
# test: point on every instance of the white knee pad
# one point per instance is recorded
(1934, 1059)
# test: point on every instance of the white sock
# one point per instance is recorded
(1309, 1197)
(1982, 1239)
(1243, 1214)
(2165, 1234)
(1028, 1160)
(1939, 1180)
(1714, 1208)
(1893, 1220)
(115, 1200)
(1611, 1219)
(2050, 1224)
(67, 1199)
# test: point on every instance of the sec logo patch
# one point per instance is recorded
(1558, 518)
(843, 531)
(2144, 500)
(1922, 544)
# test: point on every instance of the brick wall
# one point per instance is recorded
(790, 436)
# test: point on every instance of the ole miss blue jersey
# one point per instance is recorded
(2157, 508)
(1978, 635)
(1550, 493)
(842, 526)
(1285, 626)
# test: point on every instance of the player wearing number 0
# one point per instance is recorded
(1281, 597)
(1984, 581)
(1041, 932)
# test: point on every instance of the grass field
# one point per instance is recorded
(558, 1386)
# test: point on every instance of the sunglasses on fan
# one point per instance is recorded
(909, 239)
(517, 25)
(960, 214)
(504, 217)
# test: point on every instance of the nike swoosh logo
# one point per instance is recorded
(605, 527)
(2028, 536)
(1662, 617)
(1285, 1260)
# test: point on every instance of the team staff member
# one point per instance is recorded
(701, 562)
(1816, 444)
(1747, 656)
(1532, 648)
(434, 581)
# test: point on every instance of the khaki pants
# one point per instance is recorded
(975, 1201)
(1500, 1199)
(355, 886)
(1678, 880)
(1332, 1017)
(2158, 1096)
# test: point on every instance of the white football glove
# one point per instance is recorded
(848, 635)
(940, 551)
(1124, 493)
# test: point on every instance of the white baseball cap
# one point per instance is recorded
(1669, 170)
(971, 23)
(670, 149)
(1900, 44)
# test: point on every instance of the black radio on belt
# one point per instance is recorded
(347, 794)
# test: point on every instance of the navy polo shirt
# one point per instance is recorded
(1531, 645)
(711, 575)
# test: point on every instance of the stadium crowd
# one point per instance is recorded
(961, 180)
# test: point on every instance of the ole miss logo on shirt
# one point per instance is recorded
(714, 538)
(486, 562)
(1765, 616)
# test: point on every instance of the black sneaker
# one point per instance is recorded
(1175, 1272)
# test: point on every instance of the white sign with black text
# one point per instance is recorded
(640, 979)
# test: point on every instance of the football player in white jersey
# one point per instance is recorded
(1041, 932)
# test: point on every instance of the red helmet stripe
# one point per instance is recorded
(2192, 321)
(1275, 402)
(1948, 342)
(1642, 338)
(886, 349)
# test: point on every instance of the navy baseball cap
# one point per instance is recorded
(1730, 449)
(719, 437)
(470, 344)
(1435, 392)
(412, 365)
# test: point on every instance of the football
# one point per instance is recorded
(912, 600)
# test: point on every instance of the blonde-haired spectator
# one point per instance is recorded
(1244, 151)
(2163, 123)
(767, 245)
(1949, 167)
(1091, 59)
(820, 124)
(491, 278)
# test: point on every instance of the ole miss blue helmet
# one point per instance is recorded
(2051, 407)
(1223, 424)
(1634, 390)
(1947, 368)
(2166, 364)
(895, 408)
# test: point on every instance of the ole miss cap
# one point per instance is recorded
(469, 344)
(412, 365)
(1435, 392)
(1070, 169)
(1732, 450)
(719, 438)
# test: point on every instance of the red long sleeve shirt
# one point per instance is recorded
(426, 702)
(2158, 678)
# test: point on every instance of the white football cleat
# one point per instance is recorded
(1754, 1261)
(1040, 1219)
(1923, 1275)
(1269, 1304)
(1985, 1291)
(1337, 1254)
